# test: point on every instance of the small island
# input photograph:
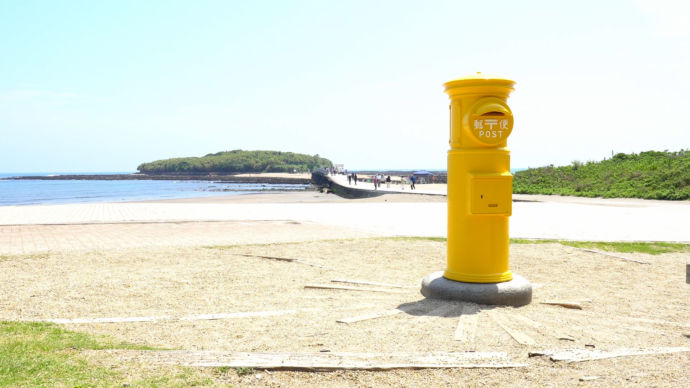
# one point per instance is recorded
(235, 166)
(236, 162)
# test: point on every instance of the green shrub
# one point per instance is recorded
(648, 175)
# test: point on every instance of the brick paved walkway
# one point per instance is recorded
(29, 239)
(27, 229)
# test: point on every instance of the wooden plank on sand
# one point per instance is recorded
(378, 314)
(368, 283)
(345, 288)
(320, 361)
(579, 355)
(525, 320)
(517, 335)
(467, 324)
(197, 317)
(365, 317)
(286, 259)
(612, 255)
(246, 314)
(109, 319)
(539, 327)
(568, 305)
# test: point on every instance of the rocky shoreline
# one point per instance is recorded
(220, 178)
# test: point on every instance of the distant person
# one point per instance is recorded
(412, 181)
(354, 177)
(349, 179)
(388, 182)
(376, 181)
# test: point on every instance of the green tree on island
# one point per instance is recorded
(237, 161)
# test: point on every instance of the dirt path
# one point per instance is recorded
(260, 304)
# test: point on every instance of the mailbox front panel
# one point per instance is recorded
(491, 194)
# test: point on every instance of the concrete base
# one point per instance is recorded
(517, 292)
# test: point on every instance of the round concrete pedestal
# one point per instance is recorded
(517, 292)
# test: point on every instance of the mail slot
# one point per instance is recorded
(489, 120)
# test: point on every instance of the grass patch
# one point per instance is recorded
(187, 377)
(651, 248)
(39, 354)
(44, 354)
(528, 241)
(15, 257)
(244, 371)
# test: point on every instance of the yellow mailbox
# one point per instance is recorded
(479, 180)
(479, 194)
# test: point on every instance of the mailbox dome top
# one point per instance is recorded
(478, 83)
(479, 79)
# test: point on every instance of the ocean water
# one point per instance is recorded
(35, 192)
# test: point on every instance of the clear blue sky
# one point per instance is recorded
(106, 85)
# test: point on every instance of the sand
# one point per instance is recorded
(180, 271)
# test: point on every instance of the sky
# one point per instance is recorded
(106, 85)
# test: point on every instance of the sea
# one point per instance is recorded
(46, 192)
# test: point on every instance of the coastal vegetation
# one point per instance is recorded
(238, 161)
(648, 175)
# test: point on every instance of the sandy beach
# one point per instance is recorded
(216, 276)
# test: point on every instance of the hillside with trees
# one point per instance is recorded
(237, 161)
(649, 175)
